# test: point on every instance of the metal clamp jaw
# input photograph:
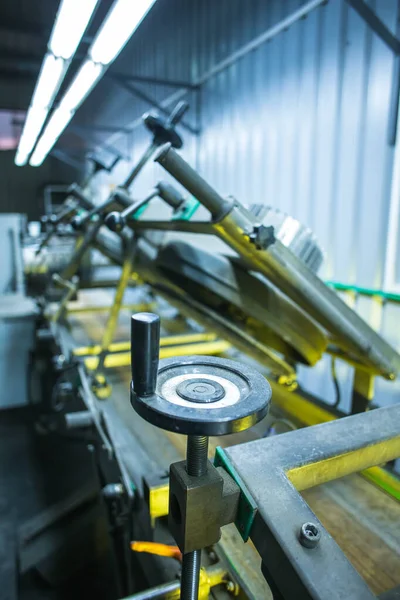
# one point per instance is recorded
(197, 396)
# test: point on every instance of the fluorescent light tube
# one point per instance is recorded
(35, 117)
(71, 21)
(56, 125)
(120, 23)
(50, 77)
(21, 158)
(85, 79)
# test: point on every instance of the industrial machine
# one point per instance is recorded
(262, 303)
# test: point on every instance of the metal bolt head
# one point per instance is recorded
(113, 490)
(232, 588)
(310, 535)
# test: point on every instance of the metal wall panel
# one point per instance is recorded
(300, 123)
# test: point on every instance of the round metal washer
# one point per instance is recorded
(246, 400)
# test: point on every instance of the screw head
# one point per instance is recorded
(310, 535)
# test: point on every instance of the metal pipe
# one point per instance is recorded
(80, 419)
(161, 591)
(139, 166)
(136, 205)
(192, 181)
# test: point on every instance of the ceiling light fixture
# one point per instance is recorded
(70, 25)
(56, 125)
(68, 29)
(121, 22)
(85, 80)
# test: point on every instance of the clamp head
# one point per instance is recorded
(202, 395)
(76, 223)
(162, 131)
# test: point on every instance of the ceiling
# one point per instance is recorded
(25, 27)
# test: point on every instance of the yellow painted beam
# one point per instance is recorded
(308, 413)
(328, 469)
(104, 308)
(123, 359)
(170, 340)
(298, 407)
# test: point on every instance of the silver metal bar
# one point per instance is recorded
(161, 591)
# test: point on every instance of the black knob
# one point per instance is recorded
(76, 223)
(115, 221)
(145, 349)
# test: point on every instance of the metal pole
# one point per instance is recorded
(109, 331)
(135, 172)
(79, 253)
(196, 466)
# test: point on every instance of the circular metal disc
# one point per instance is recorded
(203, 395)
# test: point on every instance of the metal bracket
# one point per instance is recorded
(247, 507)
(377, 26)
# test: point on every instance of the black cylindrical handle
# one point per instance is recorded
(170, 195)
(145, 349)
(177, 113)
(191, 180)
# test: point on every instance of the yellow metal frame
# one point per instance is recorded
(123, 359)
(363, 460)
(105, 308)
(169, 340)
(308, 413)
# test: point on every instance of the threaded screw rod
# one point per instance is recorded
(196, 466)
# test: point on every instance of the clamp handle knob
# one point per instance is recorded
(170, 195)
(145, 350)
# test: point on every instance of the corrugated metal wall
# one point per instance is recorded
(300, 123)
